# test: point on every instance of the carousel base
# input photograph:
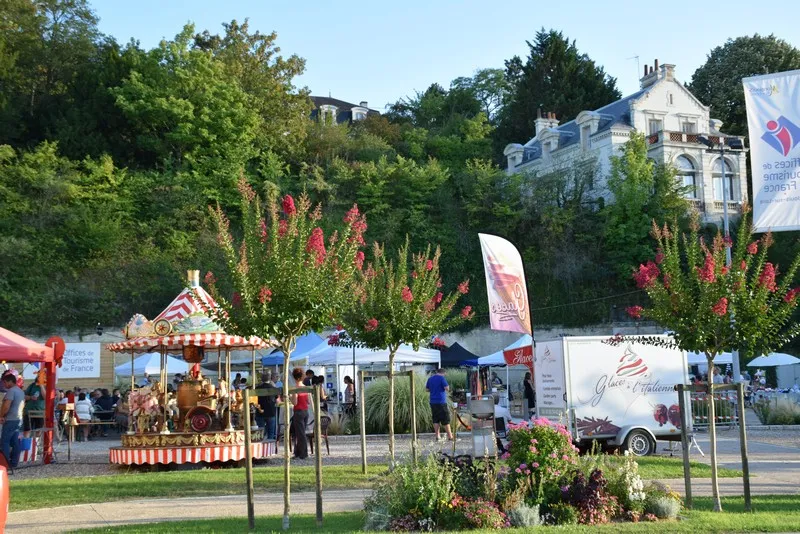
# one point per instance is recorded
(189, 448)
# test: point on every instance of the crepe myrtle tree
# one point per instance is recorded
(711, 307)
(400, 302)
(287, 278)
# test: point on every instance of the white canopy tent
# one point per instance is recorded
(773, 359)
(150, 363)
(333, 355)
(699, 358)
(496, 359)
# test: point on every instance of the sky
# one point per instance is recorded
(381, 51)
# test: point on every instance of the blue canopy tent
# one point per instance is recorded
(305, 344)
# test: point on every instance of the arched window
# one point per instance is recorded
(687, 175)
(717, 175)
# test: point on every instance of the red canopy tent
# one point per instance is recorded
(17, 349)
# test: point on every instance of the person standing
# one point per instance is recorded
(34, 402)
(309, 380)
(267, 407)
(349, 396)
(530, 393)
(438, 387)
(299, 417)
(10, 418)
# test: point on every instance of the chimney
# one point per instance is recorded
(193, 277)
(549, 121)
(650, 75)
(364, 104)
(667, 72)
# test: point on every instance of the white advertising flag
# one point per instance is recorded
(505, 285)
(773, 122)
(81, 360)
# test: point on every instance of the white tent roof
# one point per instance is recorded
(333, 355)
(773, 359)
(699, 358)
(497, 357)
(150, 363)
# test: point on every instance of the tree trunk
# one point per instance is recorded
(392, 351)
(287, 353)
(712, 435)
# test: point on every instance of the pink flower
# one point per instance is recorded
(727, 241)
(646, 275)
(236, 301)
(743, 265)
(791, 294)
(523, 466)
(463, 287)
(414, 274)
(721, 307)
(465, 313)
(262, 224)
(505, 456)
(752, 248)
(283, 227)
(333, 339)
(288, 206)
(535, 465)
(210, 279)
(429, 265)
(527, 471)
(371, 325)
(358, 224)
(518, 470)
(706, 272)
(659, 256)
(406, 294)
(564, 457)
(635, 311)
(316, 245)
(767, 278)
(438, 297)
(359, 260)
(265, 295)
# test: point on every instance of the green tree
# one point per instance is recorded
(395, 305)
(287, 279)
(718, 82)
(555, 77)
(695, 295)
(643, 192)
(489, 86)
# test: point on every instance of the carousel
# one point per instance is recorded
(200, 421)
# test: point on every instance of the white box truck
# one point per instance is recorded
(621, 396)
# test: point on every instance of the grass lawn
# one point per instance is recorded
(773, 513)
(47, 492)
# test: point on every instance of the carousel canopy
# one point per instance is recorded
(184, 322)
(151, 364)
(15, 348)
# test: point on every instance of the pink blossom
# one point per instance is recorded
(743, 265)
(659, 256)
(406, 294)
(752, 248)
(767, 278)
(646, 275)
(429, 265)
(791, 294)
(371, 325)
(523, 466)
(358, 224)
(564, 457)
(527, 471)
(535, 465)
(316, 245)
(283, 227)
(706, 272)
(288, 206)
(333, 339)
(263, 229)
(465, 313)
(414, 274)
(505, 456)
(635, 311)
(210, 279)
(236, 301)
(438, 297)
(359, 260)
(265, 295)
(721, 307)
(518, 470)
(463, 287)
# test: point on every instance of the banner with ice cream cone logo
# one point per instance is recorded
(505, 285)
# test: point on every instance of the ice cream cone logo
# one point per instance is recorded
(509, 288)
(631, 365)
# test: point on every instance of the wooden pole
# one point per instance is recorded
(412, 390)
(362, 416)
(712, 436)
(253, 367)
(391, 408)
(748, 507)
(248, 454)
(687, 474)
(318, 446)
(228, 384)
(287, 424)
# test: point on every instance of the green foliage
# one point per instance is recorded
(524, 516)
(561, 514)
(661, 501)
(718, 82)
(456, 378)
(377, 406)
(777, 413)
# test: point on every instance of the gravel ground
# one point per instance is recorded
(91, 458)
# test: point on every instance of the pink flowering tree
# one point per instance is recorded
(287, 277)
(400, 302)
(710, 307)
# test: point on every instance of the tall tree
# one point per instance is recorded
(718, 82)
(489, 86)
(555, 77)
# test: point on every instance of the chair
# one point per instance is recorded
(324, 423)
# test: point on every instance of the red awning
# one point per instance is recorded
(15, 348)
(176, 342)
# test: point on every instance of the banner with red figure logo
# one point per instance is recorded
(505, 285)
(520, 356)
(773, 122)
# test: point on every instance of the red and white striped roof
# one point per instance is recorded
(214, 339)
(190, 301)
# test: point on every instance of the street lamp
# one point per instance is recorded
(734, 143)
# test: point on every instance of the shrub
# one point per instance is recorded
(777, 412)
(663, 507)
(525, 516)
(626, 485)
(541, 451)
(463, 513)
(469, 476)
(561, 514)
(340, 424)
(377, 405)
(411, 523)
(456, 378)
(590, 498)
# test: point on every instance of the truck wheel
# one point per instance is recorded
(639, 443)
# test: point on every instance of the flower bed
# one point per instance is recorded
(541, 479)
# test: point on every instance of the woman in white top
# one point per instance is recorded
(83, 411)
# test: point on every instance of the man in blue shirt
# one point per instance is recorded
(438, 388)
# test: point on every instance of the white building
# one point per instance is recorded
(670, 116)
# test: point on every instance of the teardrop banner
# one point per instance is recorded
(505, 285)
(520, 356)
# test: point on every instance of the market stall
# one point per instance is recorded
(203, 416)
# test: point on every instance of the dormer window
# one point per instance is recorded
(586, 134)
(359, 113)
(327, 114)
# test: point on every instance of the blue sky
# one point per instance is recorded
(381, 51)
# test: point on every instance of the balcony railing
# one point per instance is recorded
(734, 206)
(678, 137)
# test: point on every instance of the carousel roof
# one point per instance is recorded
(184, 322)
